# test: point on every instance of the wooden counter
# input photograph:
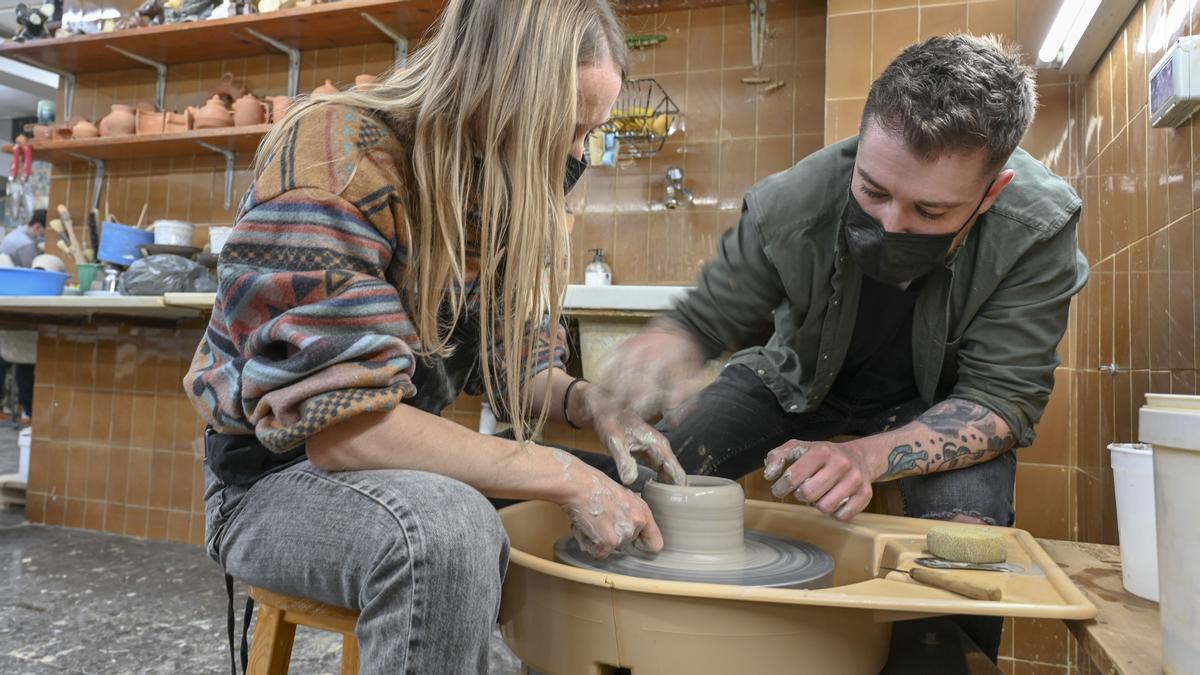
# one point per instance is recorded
(1125, 637)
(92, 305)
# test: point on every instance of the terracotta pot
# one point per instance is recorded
(174, 122)
(62, 132)
(248, 110)
(279, 106)
(43, 132)
(213, 115)
(150, 122)
(327, 88)
(120, 122)
(84, 129)
(365, 80)
(229, 88)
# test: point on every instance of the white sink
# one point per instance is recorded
(622, 297)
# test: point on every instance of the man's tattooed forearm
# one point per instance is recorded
(950, 416)
(961, 433)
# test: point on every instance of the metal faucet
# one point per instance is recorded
(675, 192)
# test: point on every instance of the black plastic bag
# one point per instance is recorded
(158, 274)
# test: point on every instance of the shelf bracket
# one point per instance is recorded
(399, 41)
(160, 83)
(68, 81)
(98, 184)
(293, 60)
(229, 156)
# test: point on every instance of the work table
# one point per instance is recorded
(1125, 638)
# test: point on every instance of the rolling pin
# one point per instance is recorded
(954, 584)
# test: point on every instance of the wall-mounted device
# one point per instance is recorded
(1175, 84)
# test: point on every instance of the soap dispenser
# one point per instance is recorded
(598, 273)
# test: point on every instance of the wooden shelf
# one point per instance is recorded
(338, 24)
(238, 139)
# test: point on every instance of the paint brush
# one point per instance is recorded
(72, 239)
(64, 240)
(947, 582)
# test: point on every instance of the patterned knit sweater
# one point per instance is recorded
(309, 327)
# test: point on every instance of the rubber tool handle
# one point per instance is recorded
(956, 584)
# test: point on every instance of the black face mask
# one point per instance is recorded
(895, 257)
(575, 169)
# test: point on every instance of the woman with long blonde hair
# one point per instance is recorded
(403, 243)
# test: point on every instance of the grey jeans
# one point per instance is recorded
(421, 556)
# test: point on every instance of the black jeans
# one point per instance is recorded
(24, 376)
(737, 420)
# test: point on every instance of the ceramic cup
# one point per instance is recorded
(704, 517)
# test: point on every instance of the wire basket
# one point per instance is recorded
(643, 117)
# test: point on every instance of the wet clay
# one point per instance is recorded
(705, 540)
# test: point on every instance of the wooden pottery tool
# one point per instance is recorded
(142, 217)
(946, 582)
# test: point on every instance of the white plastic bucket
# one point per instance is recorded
(1172, 424)
(172, 233)
(1133, 477)
(217, 237)
(24, 441)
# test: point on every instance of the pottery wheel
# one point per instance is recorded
(768, 561)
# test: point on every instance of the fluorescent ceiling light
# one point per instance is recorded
(1072, 20)
(1082, 31)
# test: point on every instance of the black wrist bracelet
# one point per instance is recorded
(567, 402)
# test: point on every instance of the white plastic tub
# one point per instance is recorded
(1172, 424)
(172, 233)
(1133, 477)
(217, 237)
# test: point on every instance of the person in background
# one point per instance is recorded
(402, 244)
(22, 245)
(914, 281)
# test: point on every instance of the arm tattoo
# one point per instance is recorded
(960, 433)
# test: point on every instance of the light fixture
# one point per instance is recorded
(1081, 31)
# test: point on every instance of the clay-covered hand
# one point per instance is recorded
(627, 435)
(606, 517)
(833, 477)
(651, 372)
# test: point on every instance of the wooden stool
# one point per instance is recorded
(278, 616)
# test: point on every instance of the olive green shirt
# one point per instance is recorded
(986, 325)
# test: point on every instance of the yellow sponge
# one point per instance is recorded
(966, 544)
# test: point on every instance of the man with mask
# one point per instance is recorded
(917, 279)
(21, 245)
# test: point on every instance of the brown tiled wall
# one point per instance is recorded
(116, 447)
(1138, 232)
(736, 134)
(864, 36)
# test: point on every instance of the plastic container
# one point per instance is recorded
(119, 243)
(24, 441)
(21, 281)
(1172, 424)
(87, 275)
(217, 237)
(172, 233)
(1133, 477)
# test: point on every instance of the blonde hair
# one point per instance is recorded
(491, 103)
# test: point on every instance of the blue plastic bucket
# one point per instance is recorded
(21, 281)
(119, 243)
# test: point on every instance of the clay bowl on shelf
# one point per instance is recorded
(149, 122)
